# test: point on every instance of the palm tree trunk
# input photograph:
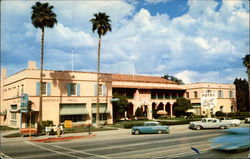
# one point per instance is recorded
(41, 81)
(98, 90)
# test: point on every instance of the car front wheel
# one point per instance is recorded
(198, 127)
(137, 132)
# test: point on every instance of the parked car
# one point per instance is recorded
(233, 122)
(150, 127)
(208, 123)
(234, 139)
(247, 120)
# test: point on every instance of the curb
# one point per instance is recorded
(62, 138)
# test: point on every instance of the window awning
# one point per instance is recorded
(102, 108)
(73, 109)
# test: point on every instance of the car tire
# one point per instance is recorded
(137, 132)
(198, 127)
(159, 132)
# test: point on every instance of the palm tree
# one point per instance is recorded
(42, 16)
(101, 23)
(246, 63)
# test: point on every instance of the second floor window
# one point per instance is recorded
(44, 88)
(195, 94)
(231, 94)
(220, 94)
(73, 89)
(187, 94)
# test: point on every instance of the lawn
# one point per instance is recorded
(6, 128)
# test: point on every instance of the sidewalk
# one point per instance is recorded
(70, 136)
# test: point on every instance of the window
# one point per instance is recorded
(220, 94)
(72, 89)
(232, 109)
(13, 120)
(187, 94)
(195, 94)
(44, 88)
(17, 91)
(221, 108)
(230, 94)
(22, 89)
(209, 91)
(100, 89)
(74, 118)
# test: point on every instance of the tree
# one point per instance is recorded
(173, 78)
(242, 94)
(246, 63)
(182, 105)
(42, 16)
(101, 23)
(120, 106)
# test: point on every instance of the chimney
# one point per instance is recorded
(3, 73)
(32, 65)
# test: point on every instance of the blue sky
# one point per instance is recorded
(197, 41)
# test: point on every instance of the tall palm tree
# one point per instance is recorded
(42, 16)
(101, 23)
(246, 63)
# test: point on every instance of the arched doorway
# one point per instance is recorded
(160, 106)
(167, 108)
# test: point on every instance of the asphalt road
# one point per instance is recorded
(128, 146)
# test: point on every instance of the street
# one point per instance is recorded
(173, 145)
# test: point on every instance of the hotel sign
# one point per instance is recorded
(208, 100)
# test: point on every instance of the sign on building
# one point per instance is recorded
(68, 124)
(208, 100)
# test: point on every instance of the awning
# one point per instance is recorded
(102, 108)
(73, 109)
(15, 111)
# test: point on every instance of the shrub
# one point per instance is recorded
(130, 124)
(46, 123)
(219, 114)
(139, 112)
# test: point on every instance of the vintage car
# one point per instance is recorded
(149, 128)
(234, 139)
(208, 123)
(233, 122)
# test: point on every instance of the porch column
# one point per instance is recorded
(150, 111)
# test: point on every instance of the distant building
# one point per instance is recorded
(71, 96)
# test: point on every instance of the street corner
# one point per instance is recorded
(55, 139)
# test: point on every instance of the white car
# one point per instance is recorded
(233, 122)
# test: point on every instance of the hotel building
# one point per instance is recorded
(71, 95)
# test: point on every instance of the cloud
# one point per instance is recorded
(156, 1)
(198, 46)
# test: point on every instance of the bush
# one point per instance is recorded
(129, 125)
(220, 114)
(139, 112)
(46, 123)
(199, 116)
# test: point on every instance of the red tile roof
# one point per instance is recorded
(140, 78)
